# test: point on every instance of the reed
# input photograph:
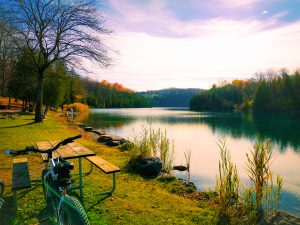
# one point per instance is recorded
(227, 185)
(252, 204)
(187, 156)
(166, 152)
(262, 194)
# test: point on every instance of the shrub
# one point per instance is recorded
(78, 107)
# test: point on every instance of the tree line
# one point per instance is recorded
(64, 86)
(268, 92)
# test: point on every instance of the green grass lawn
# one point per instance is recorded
(136, 200)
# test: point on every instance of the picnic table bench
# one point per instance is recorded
(20, 175)
(10, 113)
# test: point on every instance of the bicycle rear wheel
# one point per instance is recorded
(72, 213)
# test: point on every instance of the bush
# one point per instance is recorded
(78, 107)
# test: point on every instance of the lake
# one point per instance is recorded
(199, 132)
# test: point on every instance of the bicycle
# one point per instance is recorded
(56, 181)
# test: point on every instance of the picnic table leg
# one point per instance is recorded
(113, 187)
(80, 177)
(85, 173)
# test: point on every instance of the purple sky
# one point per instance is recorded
(195, 43)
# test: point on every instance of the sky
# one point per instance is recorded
(159, 44)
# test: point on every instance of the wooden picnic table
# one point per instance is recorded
(75, 150)
(72, 150)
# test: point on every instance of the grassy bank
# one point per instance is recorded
(136, 200)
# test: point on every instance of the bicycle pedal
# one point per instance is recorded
(1, 202)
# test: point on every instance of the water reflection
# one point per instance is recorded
(282, 129)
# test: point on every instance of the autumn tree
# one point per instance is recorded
(57, 30)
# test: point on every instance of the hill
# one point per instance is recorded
(171, 97)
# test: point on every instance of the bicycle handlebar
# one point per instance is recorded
(34, 149)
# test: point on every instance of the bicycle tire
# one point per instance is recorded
(1, 187)
(50, 198)
(72, 212)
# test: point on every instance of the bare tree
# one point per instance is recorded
(53, 30)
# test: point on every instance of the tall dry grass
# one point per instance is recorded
(154, 143)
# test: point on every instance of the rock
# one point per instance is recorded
(150, 166)
(99, 131)
(109, 137)
(180, 168)
(88, 129)
(80, 124)
(112, 143)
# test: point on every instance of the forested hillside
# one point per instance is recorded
(171, 97)
(111, 95)
(275, 92)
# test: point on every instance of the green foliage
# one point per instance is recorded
(22, 84)
(55, 83)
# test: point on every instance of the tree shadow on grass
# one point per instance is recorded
(21, 125)
(99, 201)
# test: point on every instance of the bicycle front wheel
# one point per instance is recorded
(72, 213)
(1, 187)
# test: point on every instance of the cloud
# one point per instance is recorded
(264, 12)
(156, 18)
(159, 50)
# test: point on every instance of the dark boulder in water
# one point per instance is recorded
(180, 168)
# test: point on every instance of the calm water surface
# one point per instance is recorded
(200, 132)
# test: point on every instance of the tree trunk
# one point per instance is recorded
(39, 97)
